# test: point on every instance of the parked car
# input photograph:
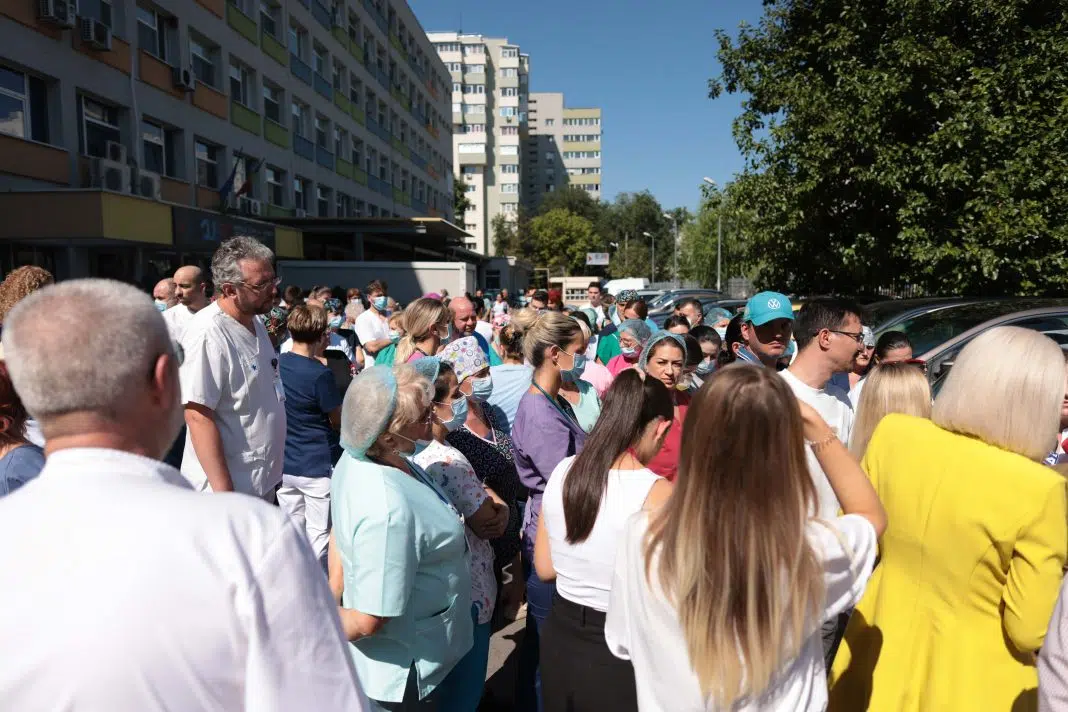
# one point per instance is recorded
(666, 302)
(707, 306)
(882, 315)
(1051, 321)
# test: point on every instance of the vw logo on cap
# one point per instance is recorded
(773, 304)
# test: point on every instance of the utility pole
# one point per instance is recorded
(652, 257)
(675, 254)
(719, 251)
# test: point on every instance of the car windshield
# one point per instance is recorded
(927, 331)
(880, 313)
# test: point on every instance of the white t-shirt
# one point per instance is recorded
(642, 625)
(196, 602)
(485, 330)
(371, 326)
(177, 318)
(337, 343)
(234, 372)
(500, 308)
(832, 403)
(584, 570)
(854, 393)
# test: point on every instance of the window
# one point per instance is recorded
(510, 168)
(509, 150)
(470, 148)
(299, 118)
(509, 187)
(550, 122)
(341, 142)
(300, 193)
(381, 113)
(474, 108)
(509, 52)
(509, 91)
(344, 205)
(276, 180)
(355, 91)
(203, 60)
(582, 138)
(454, 66)
(508, 111)
(357, 152)
(476, 68)
(361, 208)
(509, 207)
(207, 164)
(582, 154)
(339, 75)
(23, 105)
(470, 188)
(469, 170)
(550, 158)
(322, 129)
(298, 42)
(100, 10)
(272, 102)
(474, 128)
(100, 124)
(456, 108)
(160, 148)
(270, 16)
(474, 88)
(319, 60)
(383, 168)
(509, 131)
(151, 35)
(240, 83)
(322, 196)
(354, 28)
(447, 47)
(457, 88)
(474, 49)
(510, 72)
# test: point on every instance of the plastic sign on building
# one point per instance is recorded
(596, 259)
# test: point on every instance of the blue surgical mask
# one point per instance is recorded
(161, 305)
(706, 367)
(481, 388)
(420, 445)
(381, 304)
(573, 374)
(336, 321)
(394, 334)
(629, 353)
(459, 415)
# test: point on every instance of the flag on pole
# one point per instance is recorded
(228, 186)
(251, 167)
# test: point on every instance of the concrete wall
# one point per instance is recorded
(406, 280)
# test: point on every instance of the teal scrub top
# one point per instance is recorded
(588, 409)
(405, 558)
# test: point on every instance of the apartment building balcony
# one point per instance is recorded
(303, 148)
(322, 86)
(245, 118)
(275, 133)
(419, 207)
(382, 22)
(340, 35)
(358, 114)
(321, 15)
(342, 102)
(359, 175)
(273, 48)
(343, 168)
(300, 70)
(324, 157)
(242, 23)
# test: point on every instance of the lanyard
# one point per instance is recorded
(424, 477)
(556, 404)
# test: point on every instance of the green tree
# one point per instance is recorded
(460, 203)
(697, 253)
(895, 141)
(560, 239)
(626, 221)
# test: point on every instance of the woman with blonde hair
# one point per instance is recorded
(892, 388)
(972, 561)
(425, 320)
(718, 596)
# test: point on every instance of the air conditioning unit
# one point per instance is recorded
(148, 185)
(183, 78)
(57, 12)
(109, 175)
(95, 34)
(115, 152)
(301, 213)
(244, 205)
(255, 207)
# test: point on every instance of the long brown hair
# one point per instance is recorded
(13, 414)
(630, 405)
(729, 547)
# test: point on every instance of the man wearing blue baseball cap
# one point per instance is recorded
(767, 325)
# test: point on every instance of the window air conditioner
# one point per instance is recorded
(301, 213)
(57, 12)
(255, 207)
(148, 185)
(116, 152)
(183, 78)
(95, 34)
(109, 175)
(244, 205)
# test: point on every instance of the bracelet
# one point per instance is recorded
(820, 444)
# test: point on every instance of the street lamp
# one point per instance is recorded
(652, 257)
(675, 258)
(719, 237)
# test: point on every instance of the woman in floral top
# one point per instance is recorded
(485, 517)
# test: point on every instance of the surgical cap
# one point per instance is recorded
(643, 361)
(637, 328)
(627, 295)
(367, 409)
(591, 314)
(428, 367)
(869, 337)
(465, 356)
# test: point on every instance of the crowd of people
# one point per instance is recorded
(766, 512)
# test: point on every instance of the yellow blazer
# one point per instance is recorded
(971, 566)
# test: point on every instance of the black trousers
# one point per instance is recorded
(578, 672)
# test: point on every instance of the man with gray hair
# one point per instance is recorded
(179, 601)
(231, 387)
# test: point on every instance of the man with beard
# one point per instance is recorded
(231, 387)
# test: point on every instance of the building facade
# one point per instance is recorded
(563, 147)
(490, 84)
(230, 111)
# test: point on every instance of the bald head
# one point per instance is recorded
(164, 292)
(190, 287)
(463, 317)
(124, 370)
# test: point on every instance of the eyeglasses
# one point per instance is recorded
(858, 336)
(260, 287)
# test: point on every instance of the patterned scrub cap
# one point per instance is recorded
(465, 356)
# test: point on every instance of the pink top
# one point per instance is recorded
(618, 364)
(666, 462)
(597, 376)
(416, 355)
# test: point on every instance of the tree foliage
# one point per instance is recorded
(902, 141)
(697, 261)
(460, 203)
(560, 239)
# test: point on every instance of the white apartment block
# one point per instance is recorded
(490, 82)
(563, 148)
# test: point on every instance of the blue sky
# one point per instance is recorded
(645, 64)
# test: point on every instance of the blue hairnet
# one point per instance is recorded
(367, 409)
(591, 314)
(653, 341)
(638, 329)
(428, 367)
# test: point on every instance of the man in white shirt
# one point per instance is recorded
(163, 294)
(593, 293)
(829, 337)
(336, 341)
(372, 326)
(231, 387)
(153, 597)
(191, 291)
